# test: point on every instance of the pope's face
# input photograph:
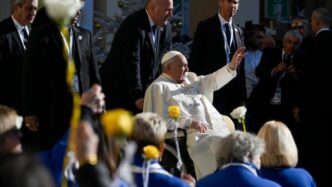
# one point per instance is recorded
(179, 68)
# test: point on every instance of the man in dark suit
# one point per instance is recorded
(86, 67)
(212, 49)
(315, 94)
(134, 60)
(273, 96)
(47, 99)
(12, 47)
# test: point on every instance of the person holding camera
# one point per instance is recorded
(272, 98)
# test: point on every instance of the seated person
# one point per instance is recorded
(194, 95)
(150, 129)
(238, 160)
(10, 135)
(281, 157)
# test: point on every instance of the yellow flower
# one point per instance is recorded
(150, 152)
(174, 111)
(118, 122)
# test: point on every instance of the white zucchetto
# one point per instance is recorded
(170, 54)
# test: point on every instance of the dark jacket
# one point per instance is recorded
(208, 54)
(11, 62)
(132, 63)
(45, 90)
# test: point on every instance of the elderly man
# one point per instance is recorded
(193, 94)
(134, 60)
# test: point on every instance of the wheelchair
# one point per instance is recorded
(169, 159)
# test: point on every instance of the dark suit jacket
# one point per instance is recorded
(11, 60)
(45, 91)
(259, 104)
(132, 63)
(208, 54)
(84, 58)
(316, 95)
(316, 74)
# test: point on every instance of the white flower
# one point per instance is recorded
(18, 122)
(239, 112)
(61, 9)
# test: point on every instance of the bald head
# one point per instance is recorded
(159, 11)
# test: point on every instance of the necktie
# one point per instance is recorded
(154, 28)
(155, 31)
(25, 36)
(228, 34)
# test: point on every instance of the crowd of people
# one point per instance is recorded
(46, 62)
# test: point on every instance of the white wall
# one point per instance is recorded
(248, 10)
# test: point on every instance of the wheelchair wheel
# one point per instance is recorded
(169, 161)
(169, 158)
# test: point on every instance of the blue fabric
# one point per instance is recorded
(157, 179)
(235, 176)
(290, 177)
(53, 159)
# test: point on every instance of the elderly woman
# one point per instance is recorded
(239, 158)
(9, 132)
(281, 157)
(150, 129)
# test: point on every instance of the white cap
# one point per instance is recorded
(170, 54)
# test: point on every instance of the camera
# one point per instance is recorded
(287, 59)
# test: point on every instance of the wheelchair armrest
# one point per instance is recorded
(170, 133)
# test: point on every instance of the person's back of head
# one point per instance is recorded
(240, 147)
(149, 129)
(281, 149)
(23, 171)
(321, 18)
(10, 135)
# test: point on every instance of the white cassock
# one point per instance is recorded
(194, 97)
